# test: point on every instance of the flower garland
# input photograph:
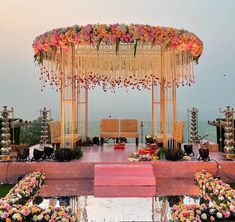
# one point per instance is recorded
(15, 206)
(114, 34)
(27, 212)
(26, 188)
(196, 213)
(221, 199)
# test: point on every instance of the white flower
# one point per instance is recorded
(19, 196)
(35, 218)
(204, 216)
(46, 211)
(15, 216)
(212, 211)
(219, 215)
(39, 217)
(221, 198)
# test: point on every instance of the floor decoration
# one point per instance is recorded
(16, 205)
(219, 202)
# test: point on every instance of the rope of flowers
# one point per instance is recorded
(26, 188)
(16, 207)
(221, 204)
(214, 189)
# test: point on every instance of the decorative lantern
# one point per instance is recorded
(5, 136)
(193, 126)
(44, 127)
(228, 124)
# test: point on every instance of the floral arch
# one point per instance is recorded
(75, 59)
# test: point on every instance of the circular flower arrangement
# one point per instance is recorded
(95, 34)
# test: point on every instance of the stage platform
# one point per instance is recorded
(70, 173)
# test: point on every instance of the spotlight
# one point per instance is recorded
(188, 149)
(37, 155)
(204, 152)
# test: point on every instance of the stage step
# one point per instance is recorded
(124, 174)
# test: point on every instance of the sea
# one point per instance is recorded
(204, 130)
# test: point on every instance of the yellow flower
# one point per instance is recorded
(47, 217)
(61, 213)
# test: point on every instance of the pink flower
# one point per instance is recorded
(226, 214)
(232, 208)
(8, 207)
(5, 215)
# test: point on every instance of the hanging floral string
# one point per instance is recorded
(117, 55)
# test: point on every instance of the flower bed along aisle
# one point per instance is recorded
(16, 205)
(219, 198)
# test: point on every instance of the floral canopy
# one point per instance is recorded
(117, 55)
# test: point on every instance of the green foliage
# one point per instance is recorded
(170, 154)
(174, 154)
(232, 185)
(4, 189)
(77, 153)
(31, 134)
(161, 153)
(58, 153)
(87, 142)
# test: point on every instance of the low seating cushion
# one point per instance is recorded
(129, 128)
(109, 128)
(55, 133)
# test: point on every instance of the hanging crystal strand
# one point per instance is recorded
(174, 104)
(187, 67)
(191, 68)
(58, 70)
(181, 68)
(187, 72)
(41, 76)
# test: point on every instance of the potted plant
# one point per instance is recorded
(63, 154)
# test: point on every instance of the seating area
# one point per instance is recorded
(117, 129)
(55, 128)
(178, 134)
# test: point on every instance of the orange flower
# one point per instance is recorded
(212, 218)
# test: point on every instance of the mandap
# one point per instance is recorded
(77, 58)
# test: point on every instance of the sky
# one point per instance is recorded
(212, 20)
